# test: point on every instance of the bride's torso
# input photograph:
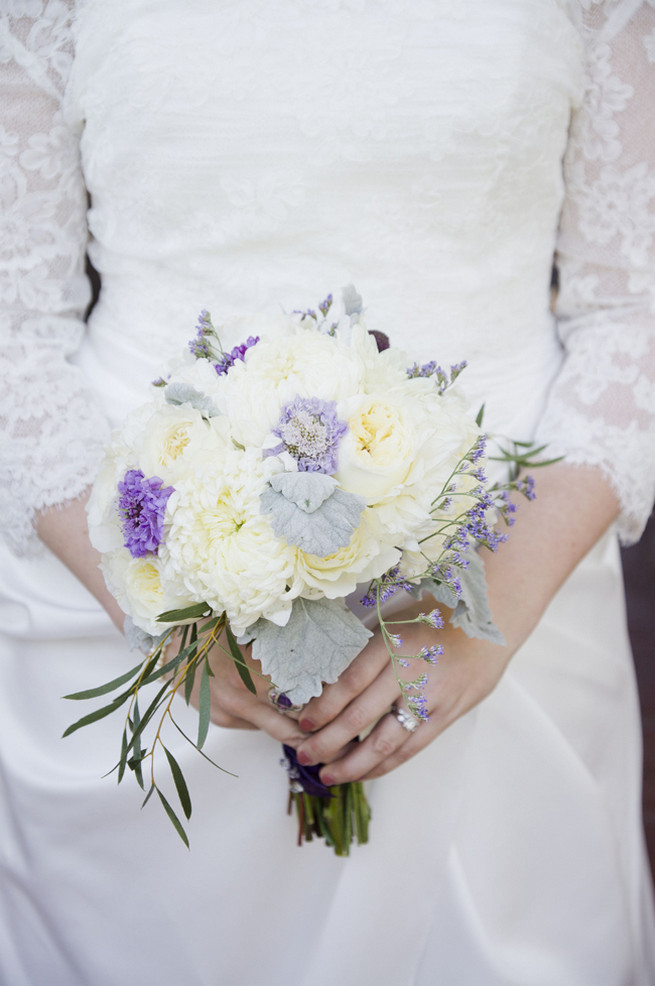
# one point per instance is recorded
(244, 155)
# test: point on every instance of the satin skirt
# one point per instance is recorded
(508, 853)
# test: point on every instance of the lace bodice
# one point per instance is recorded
(247, 155)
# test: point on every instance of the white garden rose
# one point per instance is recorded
(143, 589)
(105, 530)
(223, 547)
(377, 451)
(174, 435)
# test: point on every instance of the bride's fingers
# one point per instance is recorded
(262, 715)
(387, 741)
(351, 683)
(327, 744)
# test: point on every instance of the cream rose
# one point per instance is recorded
(175, 434)
(377, 452)
(143, 589)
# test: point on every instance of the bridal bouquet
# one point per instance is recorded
(255, 491)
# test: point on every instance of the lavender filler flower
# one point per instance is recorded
(142, 504)
(310, 431)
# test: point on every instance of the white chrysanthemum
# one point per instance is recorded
(275, 371)
(223, 547)
(143, 590)
(363, 559)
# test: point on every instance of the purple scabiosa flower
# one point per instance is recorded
(310, 431)
(142, 505)
(227, 360)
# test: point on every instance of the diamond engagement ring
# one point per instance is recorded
(406, 719)
(282, 702)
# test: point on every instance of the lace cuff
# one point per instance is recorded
(601, 410)
(53, 433)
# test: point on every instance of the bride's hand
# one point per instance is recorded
(574, 506)
(466, 673)
(234, 707)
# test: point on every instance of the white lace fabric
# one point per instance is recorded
(602, 405)
(52, 430)
(601, 408)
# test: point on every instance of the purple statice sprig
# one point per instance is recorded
(310, 431)
(227, 360)
(206, 344)
(142, 506)
(202, 346)
(443, 378)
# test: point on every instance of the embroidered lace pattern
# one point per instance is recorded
(601, 406)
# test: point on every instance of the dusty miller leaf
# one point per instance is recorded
(185, 393)
(320, 640)
(138, 639)
(310, 511)
(472, 613)
(441, 592)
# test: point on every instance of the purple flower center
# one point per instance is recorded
(142, 505)
(310, 431)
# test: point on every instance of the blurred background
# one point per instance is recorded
(639, 570)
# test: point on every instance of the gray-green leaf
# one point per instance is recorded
(310, 511)
(320, 640)
(184, 393)
(472, 613)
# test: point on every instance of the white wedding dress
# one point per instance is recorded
(242, 155)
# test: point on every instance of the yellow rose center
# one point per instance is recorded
(176, 442)
(377, 432)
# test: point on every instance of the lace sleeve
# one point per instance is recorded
(601, 410)
(52, 431)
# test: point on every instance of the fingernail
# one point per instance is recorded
(304, 759)
(327, 779)
(306, 725)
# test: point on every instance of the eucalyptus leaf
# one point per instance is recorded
(180, 783)
(138, 750)
(320, 640)
(194, 612)
(204, 704)
(239, 662)
(93, 717)
(174, 819)
(310, 511)
(108, 687)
